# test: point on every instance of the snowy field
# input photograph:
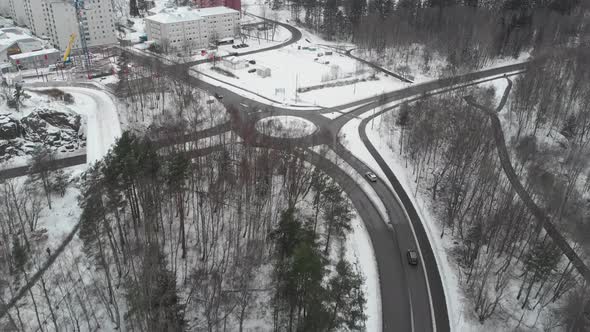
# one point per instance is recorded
(301, 76)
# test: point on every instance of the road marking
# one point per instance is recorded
(411, 308)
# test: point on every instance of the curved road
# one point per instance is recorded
(409, 296)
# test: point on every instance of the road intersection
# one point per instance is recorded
(412, 298)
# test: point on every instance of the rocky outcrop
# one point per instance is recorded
(60, 131)
(9, 128)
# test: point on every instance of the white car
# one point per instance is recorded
(371, 176)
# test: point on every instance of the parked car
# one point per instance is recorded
(253, 70)
(234, 54)
(218, 96)
(252, 62)
(412, 257)
(371, 176)
(328, 53)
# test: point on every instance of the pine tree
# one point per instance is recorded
(337, 213)
(346, 298)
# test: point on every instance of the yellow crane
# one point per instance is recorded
(69, 48)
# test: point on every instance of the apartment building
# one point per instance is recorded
(56, 20)
(186, 28)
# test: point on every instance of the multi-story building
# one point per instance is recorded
(186, 28)
(56, 20)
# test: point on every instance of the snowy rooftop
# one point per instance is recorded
(185, 14)
(8, 36)
(34, 53)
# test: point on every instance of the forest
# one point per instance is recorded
(178, 232)
(449, 146)
(465, 34)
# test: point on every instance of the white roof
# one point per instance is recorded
(34, 53)
(8, 36)
(186, 14)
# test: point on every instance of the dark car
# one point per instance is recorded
(412, 257)
(218, 96)
(252, 62)
(253, 70)
(234, 54)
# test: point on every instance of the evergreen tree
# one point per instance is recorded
(153, 299)
(337, 212)
(346, 298)
(330, 18)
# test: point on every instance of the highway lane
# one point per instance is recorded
(395, 302)
(405, 302)
(400, 238)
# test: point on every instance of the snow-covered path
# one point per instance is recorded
(102, 119)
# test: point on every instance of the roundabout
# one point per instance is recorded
(285, 126)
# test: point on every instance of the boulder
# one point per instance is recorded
(10, 128)
(61, 120)
(35, 128)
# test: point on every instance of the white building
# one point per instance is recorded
(56, 20)
(15, 41)
(185, 28)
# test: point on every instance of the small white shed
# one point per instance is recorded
(263, 71)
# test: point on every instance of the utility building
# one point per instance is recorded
(186, 28)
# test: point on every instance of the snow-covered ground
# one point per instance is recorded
(102, 120)
(350, 138)
(421, 65)
(359, 246)
(286, 126)
(294, 70)
(360, 250)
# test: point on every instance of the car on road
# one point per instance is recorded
(252, 62)
(253, 70)
(371, 176)
(412, 257)
(218, 96)
(234, 54)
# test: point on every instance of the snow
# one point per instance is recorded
(448, 272)
(359, 249)
(359, 179)
(103, 127)
(350, 138)
(293, 68)
(251, 94)
(186, 14)
(286, 126)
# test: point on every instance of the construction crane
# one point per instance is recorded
(78, 7)
(69, 48)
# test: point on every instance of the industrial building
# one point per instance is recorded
(56, 20)
(186, 28)
(16, 41)
(36, 59)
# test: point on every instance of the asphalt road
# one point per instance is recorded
(406, 302)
